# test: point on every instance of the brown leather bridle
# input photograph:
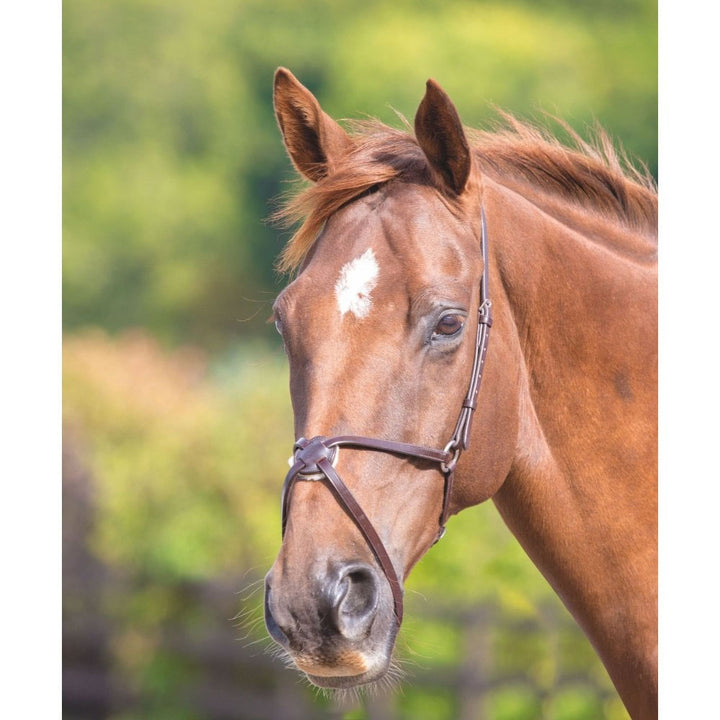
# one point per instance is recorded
(313, 459)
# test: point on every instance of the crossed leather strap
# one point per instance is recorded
(313, 459)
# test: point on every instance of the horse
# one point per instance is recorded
(411, 246)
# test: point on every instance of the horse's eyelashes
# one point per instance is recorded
(278, 320)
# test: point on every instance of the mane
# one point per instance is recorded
(595, 175)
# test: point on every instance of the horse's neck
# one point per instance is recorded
(581, 496)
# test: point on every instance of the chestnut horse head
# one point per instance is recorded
(405, 240)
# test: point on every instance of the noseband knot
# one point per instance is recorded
(309, 453)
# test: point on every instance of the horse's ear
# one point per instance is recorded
(441, 136)
(314, 141)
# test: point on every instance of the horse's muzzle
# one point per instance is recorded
(332, 627)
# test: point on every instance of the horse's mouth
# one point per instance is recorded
(353, 670)
(345, 682)
(350, 670)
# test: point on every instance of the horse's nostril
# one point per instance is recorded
(357, 600)
(360, 596)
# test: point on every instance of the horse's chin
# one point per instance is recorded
(353, 670)
(347, 682)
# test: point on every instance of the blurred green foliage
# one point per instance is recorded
(172, 158)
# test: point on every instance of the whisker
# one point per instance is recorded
(245, 614)
(248, 642)
(251, 588)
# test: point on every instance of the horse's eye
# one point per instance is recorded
(278, 325)
(449, 325)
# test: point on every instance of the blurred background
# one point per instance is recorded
(174, 383)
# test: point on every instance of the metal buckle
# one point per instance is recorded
(448, 467)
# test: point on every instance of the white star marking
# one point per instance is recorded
(355, 284)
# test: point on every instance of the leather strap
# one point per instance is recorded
(345, 497)
(313, 459)
(389, 446)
